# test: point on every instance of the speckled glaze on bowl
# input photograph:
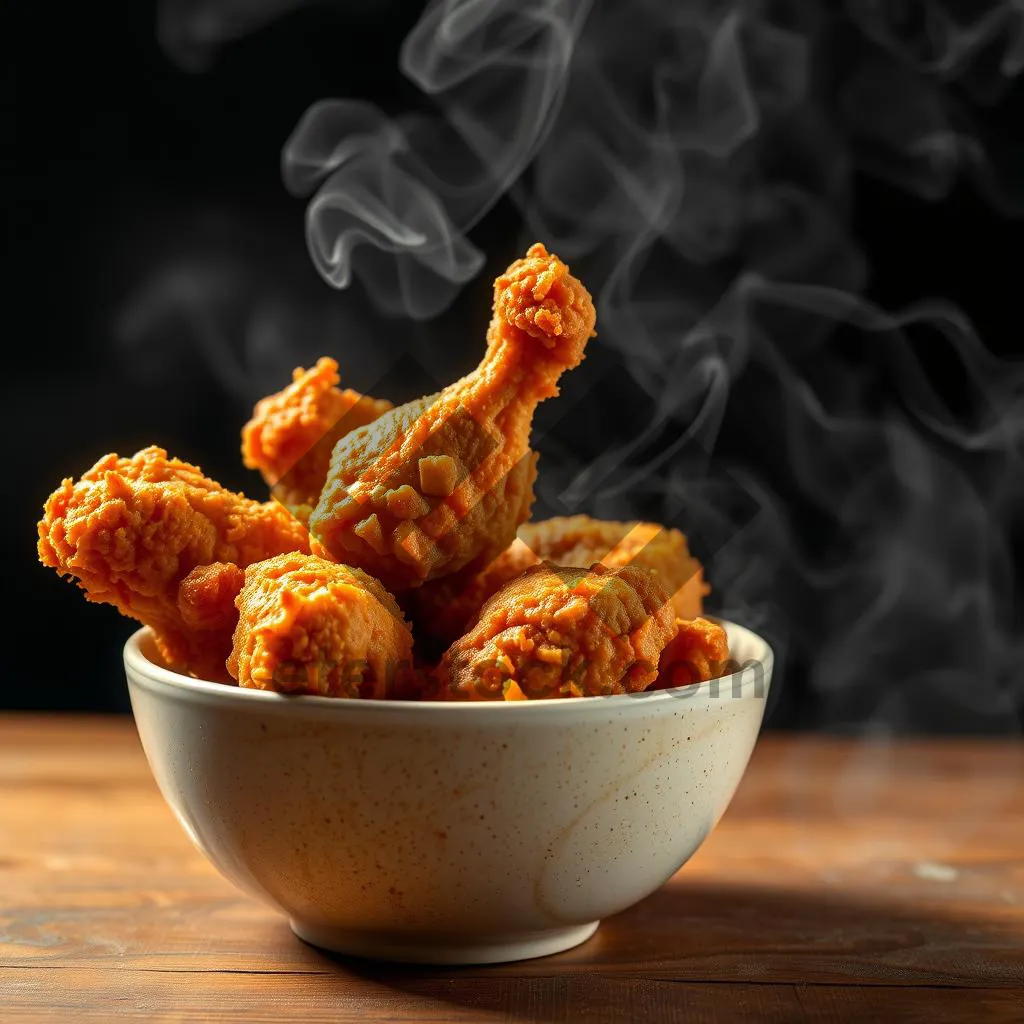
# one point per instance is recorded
(447, 833)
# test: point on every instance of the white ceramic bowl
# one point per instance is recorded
(447, 833)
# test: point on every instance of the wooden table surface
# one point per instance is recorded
(846, 880)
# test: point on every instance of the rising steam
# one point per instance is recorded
(695, 163)
(192, 31)
(412, 188)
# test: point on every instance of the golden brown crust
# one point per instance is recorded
(292, 433)
(562, 632)
(698, 652)
(206, 605)
(424, 499)
(444, 609)
(131, 529)
(206, 598)
(542, 320)
(307, 625)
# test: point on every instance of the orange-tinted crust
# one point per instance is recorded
(132, 529)
(384, 507)
(561, 632)
(206, 597)
(444, 609)
(698, 652)
(307, 625)
(206, 603)
(427, 496)
(292, 433)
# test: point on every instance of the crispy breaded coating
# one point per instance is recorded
(206, 604)
(307, 625)
(443, 609)
(385, 512)
(562, 632)
(698, 652)
(132, 529)
(442, 483)
(206, 597)
(292, 433)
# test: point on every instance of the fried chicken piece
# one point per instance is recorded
(444, 608)
(206, 604)
(130, 531)
(307, 625)
(562, 632)
(442, 483)
(698, 652)
(206, 597)
(292, 433)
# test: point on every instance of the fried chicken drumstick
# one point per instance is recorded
(307, 625)
(292, 433)
(442, 483)
(562, 632)
(131, 530)
(422, 501)
(443, 609)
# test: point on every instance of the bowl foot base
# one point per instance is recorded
(445, 949)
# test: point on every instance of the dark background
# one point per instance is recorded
(119, 165)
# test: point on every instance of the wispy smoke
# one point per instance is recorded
(242, 304)
(375, 193)
(918, 81)
(696, 164)
(412, 188)
(193, 31)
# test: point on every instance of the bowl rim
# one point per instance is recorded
(742, 685)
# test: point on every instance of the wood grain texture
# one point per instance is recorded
(846, 880)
